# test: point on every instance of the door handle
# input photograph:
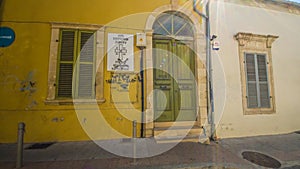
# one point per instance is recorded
(163, 87)
(185, 87)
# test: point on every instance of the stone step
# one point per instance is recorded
(174, 124)
(183, 131)
(176, 139)
(177, 131)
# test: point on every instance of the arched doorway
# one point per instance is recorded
(174, 62)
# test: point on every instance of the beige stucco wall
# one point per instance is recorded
(228, 19)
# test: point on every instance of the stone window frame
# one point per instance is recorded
(53, 59)
(256, 44)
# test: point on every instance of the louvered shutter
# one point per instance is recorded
(257, 81)
(66, 60)
(85, 86)
(251, 81)
(263, 81)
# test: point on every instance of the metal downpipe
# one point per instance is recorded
(208, 67)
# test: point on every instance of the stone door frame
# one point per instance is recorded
(200, 70)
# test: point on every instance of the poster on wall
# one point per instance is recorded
(120, 56)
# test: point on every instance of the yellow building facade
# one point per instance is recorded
(56, 78)
(100, 70)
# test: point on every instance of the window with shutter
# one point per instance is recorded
(76, 64)
(256, 73)
(257, 81)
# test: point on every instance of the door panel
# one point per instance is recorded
(183, 52)
(164, 110)
(162, 103)
(163, 83)
(185, 110)
(175, 97)
(162, 61)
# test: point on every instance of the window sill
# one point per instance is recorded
(73, 101)
(259, 111)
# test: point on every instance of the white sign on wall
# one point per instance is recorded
(120, 56)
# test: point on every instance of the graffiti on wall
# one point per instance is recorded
(123, 87)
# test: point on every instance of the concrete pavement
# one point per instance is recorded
(227, 153)
(285, 148)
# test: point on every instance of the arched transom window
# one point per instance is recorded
(173, 24)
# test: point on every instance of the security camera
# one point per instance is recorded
(213, 37)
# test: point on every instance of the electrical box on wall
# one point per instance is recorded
(216, 45)
(141, 40)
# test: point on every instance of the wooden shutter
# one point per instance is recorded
(66, 61)
(251, 81)
(85, 86)
(263, 81)
(257, 81)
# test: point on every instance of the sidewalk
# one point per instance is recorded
(225, 154)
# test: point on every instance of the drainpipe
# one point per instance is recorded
(142, 90)
(208, 67)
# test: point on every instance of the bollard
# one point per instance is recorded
(21, 130)
(134, 141)
(134, 129)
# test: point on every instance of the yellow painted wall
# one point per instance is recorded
(79, 11)
(24, 70)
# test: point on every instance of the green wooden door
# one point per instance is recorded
(174, 83)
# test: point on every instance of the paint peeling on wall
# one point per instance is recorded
(16, 84)
(28, 85)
